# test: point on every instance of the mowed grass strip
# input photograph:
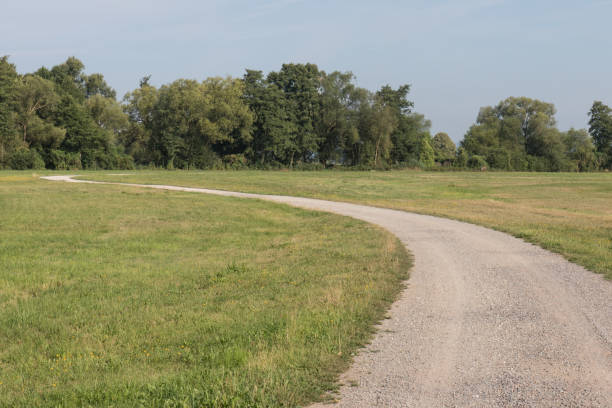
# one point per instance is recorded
(567, 213)
(119, 296)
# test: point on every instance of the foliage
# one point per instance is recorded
(444, 148)
(600, 128)
(33, 96)
(296, 117)
(477, 162)
(192, 118)
(521, 134)
(23, 159)
(61, 160)
(8, 87)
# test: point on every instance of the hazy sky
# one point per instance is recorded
(458, 55)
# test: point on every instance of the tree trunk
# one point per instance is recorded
(376, 152)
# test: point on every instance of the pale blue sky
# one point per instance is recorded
(457, 55)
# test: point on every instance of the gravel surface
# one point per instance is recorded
(487, 320)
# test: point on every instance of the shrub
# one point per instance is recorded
(24, 159)
(477, 162)
(235, 161)
(61, 160)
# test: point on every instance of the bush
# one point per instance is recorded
(500, 159)
(235, 161)
(61, 160)
(24, 159)
(537, 163)
(125, 162)
(207, 159)
(108, 160)
(477, 162)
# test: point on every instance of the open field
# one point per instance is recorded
(487, 320)
(567, 213)
(121, 296)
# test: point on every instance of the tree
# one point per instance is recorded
(426, 153)
(96, 85)
(337, 122)
(383, 123)
(444, 148)
(140, 106)
(274, 128)
(580, 149)
(88, 112)
(108, 115)
(300, 86)
(68, 77)
(600, 128)
(396, 99)
(229, 114)
(8, 85)
(43, 135)
(517, 134)
(192, 119)
(408, 138)
(33, 95)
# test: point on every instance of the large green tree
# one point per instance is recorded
(580, 150)
(410, 139)
(517, 134)
(88, 112)
(8, 86)
(600, 128)
(337, 122)
(382, 124)
(444, 148)
(140, 105)
(33, 95)
(192, 119)
(300, 83)
(230, 115)
(274, 128)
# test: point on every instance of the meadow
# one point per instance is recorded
(567, 213)
(121, 296)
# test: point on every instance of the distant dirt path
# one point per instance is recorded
(487, 320)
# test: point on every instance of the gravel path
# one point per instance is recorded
(487, 320)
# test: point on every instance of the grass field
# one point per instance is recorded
(119, 296)
(567, 213)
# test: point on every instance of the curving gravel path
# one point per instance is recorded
(487, 320)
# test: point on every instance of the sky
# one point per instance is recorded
(457, 55)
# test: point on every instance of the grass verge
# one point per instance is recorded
(567, 213)
(118, 296)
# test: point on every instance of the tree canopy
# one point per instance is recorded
(299, 116)
(521, 134)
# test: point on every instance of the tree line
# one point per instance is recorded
(297, 117)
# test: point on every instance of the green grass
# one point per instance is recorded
(567, 213)
(120, 296)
